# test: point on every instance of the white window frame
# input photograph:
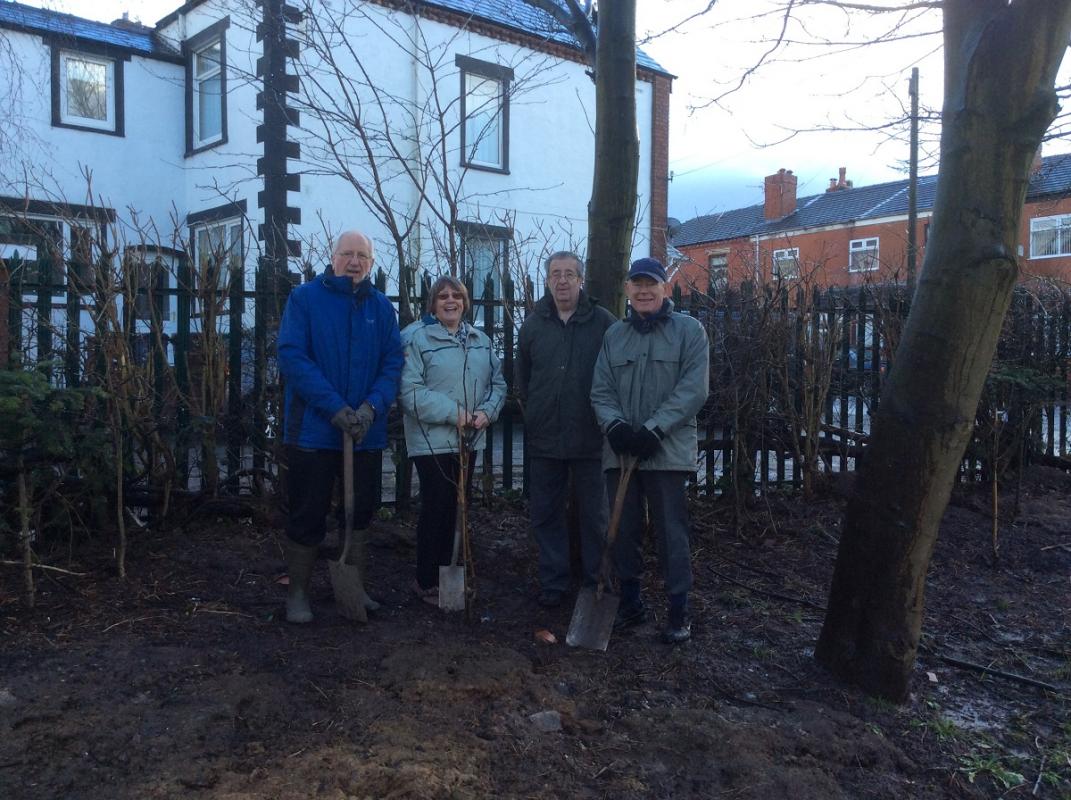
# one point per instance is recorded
(233, 231)
(66, 116)
(1059, 226)
(485, 91)
(863, 254)
(150, 262)
(784, 255)
(483, 121)
(198, 81)
(718, 273)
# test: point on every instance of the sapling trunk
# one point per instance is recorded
(24, 534)
(994, 473)
(117, 438)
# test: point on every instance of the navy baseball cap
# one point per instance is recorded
(649, 267)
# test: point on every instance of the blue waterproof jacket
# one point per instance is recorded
(337, 347)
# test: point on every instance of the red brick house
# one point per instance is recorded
(850, 235)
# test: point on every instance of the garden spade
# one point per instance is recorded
(346, 578)
(595, 610)
(452, 578)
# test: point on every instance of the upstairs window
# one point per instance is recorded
(718, 266)
(484, 114)
(786, 263)
(1050, 236)
(206, 88)
(87, 91)
(863, 255)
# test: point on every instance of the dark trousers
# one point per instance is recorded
(548, 486)
(668, 506)
(310, 481)
(438, 513)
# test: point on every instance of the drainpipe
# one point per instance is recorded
(757, 269)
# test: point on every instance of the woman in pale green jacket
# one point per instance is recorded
(451, 379)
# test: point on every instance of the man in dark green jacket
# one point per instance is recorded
(559, 343)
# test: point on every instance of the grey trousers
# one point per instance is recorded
(548, 485)
(668, 506)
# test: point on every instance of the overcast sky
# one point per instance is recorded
(720, 153)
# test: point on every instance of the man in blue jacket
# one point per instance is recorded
(340, 355)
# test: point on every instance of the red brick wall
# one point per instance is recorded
(661, 87)
(824, 254)
(1058, 267)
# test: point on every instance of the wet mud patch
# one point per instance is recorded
(181, 682)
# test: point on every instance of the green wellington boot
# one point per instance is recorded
(300, 561)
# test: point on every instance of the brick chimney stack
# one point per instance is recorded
(780, 194)
(837, 185)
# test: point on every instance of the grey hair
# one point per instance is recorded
(562, 255)
(344, 234)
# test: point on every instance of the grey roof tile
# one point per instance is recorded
(850, 205)
(520, 16)
(137, 40)
(515, 14)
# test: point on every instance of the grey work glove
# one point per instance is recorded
(355, 423)
(346, 421)
(365, 416)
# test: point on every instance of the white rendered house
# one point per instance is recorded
(241, 135)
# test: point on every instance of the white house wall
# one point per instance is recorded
(551, 139)
(141, 170)
(151, 182)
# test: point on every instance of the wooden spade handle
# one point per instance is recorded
(347, 492)
(628, 466)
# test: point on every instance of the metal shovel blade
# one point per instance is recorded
(452, 588)
(349, 590)
(593, 620)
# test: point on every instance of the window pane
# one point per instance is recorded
(87, 89)
(1043, 242)
(483, 121)
(481, 255)
(786, 263)
(208, 60)
(209, 109)
(81, 258)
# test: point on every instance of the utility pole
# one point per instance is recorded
(913, 185)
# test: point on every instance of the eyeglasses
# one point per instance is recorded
(346, 255)
(568, 276)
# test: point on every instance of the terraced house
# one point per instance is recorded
(849, 236)
(233, 139)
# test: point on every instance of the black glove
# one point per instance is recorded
(619, 435)
(364, 416)
(645, 442)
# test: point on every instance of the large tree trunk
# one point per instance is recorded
(1001, 62)
(612, 211)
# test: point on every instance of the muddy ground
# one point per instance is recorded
(183, 682)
